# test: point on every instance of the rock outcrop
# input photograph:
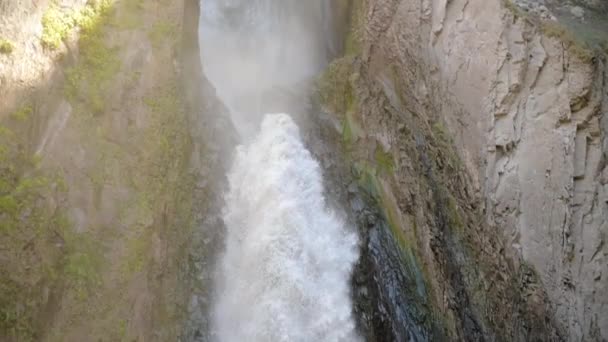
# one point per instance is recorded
(481, 130)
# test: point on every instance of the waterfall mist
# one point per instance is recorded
(285, 271)
(263, 55)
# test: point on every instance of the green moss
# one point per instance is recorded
(384, 161)
(23, 113)
(15, 313)
(6, 46)
(122, 330)
(138, 249)
(367, 176)
(368, 179)
(82, 272)
(83, 260)
(335, 86)
(454, 218)
(351, 130)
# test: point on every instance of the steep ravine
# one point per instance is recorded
(464, 139)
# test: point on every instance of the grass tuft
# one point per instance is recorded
(58, 23)
(6, 46)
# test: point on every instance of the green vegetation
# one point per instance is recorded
(441, 133)
(58, 23)
(384, 161)
(82, 261)
(159, 178)
(453, 212)
(23, 113)
(27, 223)
(89, 79)
(45, 253)
(6, 46)
(82, 271)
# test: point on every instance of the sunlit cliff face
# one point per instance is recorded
(262, 54)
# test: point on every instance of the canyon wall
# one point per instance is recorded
(105, 170)
(479, 128)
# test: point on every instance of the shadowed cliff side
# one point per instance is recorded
(106, 170)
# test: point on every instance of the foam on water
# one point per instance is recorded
(285, 273)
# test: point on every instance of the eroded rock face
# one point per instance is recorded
(526, 113)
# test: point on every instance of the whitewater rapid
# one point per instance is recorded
(285, 272)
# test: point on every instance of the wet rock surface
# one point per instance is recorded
(389, 298)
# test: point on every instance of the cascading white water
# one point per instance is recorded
(285, 272)
(286, 269)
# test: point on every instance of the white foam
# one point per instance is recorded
(285, 273)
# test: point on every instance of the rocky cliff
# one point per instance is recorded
(104, 168)
(468, 138)
(479, 128)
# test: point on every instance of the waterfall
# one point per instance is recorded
(285, 273)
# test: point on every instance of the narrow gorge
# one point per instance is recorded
(289, 170)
